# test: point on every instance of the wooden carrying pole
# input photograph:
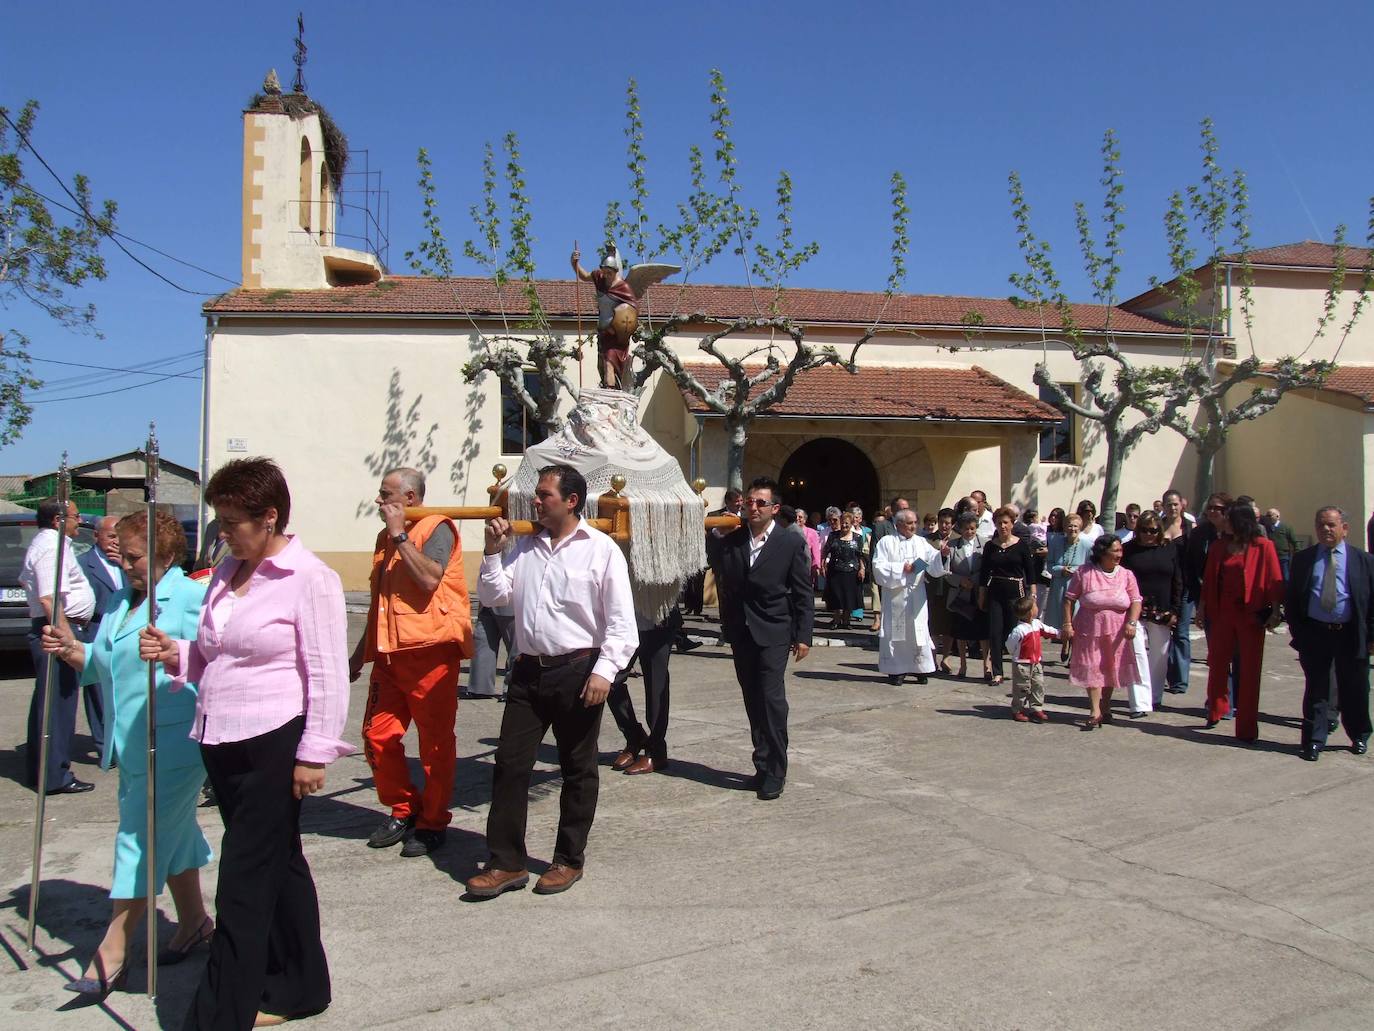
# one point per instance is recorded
(612, 510)
(150, 476)
(64, 484)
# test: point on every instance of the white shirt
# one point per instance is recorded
(116, 573)
(37, 574)
(567, 597)
(986, 527)
(756, 543)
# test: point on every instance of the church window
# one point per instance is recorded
(307, 176)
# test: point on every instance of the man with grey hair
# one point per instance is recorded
(419, 630)
(1330, 607)
(901, 562)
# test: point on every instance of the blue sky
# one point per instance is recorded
(146, 100)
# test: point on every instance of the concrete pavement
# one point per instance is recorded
(931, 864)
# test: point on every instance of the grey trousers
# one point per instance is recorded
(489, 632)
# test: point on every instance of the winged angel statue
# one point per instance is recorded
(618, 297)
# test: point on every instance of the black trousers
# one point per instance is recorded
(540, 698)
(1335, 652)
(1001, 619)
(655, 646)
(62, 719)
(760, 670)
(266, 954)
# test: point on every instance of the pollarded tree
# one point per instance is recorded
(710, 222)
(1127, 400)
(505, 255)
(1217, 209)
(41, 257)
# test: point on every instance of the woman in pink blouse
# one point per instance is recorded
(1103, 628)
(271, 659)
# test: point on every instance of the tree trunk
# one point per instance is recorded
(737, 434)
(1111, 478)
(1206, 451)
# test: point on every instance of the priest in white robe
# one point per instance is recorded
(901, 564)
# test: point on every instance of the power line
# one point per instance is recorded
(104, 393)
(140, 367)
(93, 220)
(126, 236)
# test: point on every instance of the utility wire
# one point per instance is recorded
(104, 393)
(140, 367)
(125, 236)
(94, 221)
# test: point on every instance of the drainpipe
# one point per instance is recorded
(211, 324)
(1229, 313)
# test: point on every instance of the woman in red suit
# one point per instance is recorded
(1241, 590)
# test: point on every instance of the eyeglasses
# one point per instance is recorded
(1148, 529)
(1216, 508)
(757, 503)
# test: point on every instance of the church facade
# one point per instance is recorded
(341, 371)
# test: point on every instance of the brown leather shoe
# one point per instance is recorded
(557, 878)
(490, 883)
(624, 759)
(646, 764)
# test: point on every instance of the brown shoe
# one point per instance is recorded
(557, 878)
(646, 764)
(490, 883)
(624, 759)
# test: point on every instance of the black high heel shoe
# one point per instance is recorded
(99, 986)
(172, 955)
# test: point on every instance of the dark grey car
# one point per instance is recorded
(17, 529)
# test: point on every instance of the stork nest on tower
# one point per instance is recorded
(298, 105)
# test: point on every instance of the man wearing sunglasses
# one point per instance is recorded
(766, 600)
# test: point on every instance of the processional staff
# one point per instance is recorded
(57, 618)
(150, 476)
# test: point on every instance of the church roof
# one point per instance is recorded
(928, 393)
(423, 296)
(1307, 254)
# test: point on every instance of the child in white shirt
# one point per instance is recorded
(1027, 674)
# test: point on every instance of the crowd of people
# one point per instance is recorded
(253, 668)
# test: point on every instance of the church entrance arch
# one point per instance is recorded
(829, 471)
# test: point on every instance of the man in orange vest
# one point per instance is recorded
(419, 629)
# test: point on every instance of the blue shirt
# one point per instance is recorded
(1314, 598)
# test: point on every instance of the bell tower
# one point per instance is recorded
(294, 158)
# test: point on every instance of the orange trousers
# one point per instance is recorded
(1233, 634)
(419, 684)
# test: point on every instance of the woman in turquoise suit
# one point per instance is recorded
(112, 660)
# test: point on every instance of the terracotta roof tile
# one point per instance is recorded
(1307, 254)
(420, 295)
(939, 394)
(1355, 380)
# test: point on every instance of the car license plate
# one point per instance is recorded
(13, 594)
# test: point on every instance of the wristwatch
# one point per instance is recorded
(400, 538)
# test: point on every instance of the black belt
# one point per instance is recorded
(1331, 626)
(550, 661)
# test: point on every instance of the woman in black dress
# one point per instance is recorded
(843, 565)
(1007, 573)
(1159, 574)
(937, 609)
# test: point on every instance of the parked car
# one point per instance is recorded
(17, 530)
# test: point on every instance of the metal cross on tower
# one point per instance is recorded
(299, 85)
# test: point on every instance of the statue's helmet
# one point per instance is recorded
(612, 260)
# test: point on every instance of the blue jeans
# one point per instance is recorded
(1180, 647)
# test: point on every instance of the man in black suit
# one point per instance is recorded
(764, 576)
(104, 569)
(1330, 608)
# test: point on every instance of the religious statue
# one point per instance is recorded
(617, 304)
